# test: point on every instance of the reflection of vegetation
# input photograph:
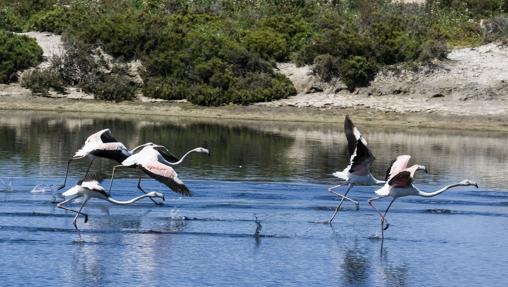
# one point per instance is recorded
(41, 143)
(259, 153)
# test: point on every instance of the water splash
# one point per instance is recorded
(41, 188)
(7, 186)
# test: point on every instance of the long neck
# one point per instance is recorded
(120, 202)
(439, 191)
(182, 158)
(377, 181)
(138, 147)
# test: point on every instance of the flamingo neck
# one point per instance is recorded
(379, 182)
(439, 191)
(182, 158)
(138, 147)
(121, 202)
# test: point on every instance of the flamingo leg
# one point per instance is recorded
(61, 205)
(67, 172)
(89, 166)
(78, 213)
(386, 211)
(343, 197)
(140, 188)
(113, 176)
(377, 210)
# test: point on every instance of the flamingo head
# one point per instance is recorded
(424, 168)
(156, 194)
(203, 150)
(468, 182)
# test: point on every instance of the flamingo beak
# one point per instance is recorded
(163, 198)
(476, 184)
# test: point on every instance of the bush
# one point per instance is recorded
(114, 87)
(56, 20)
(16, 53)
(326, 67)
(496, 29)
(119, 33)
(9, 20)
(268, 44)
(357, 72)
(40, 81)
(86, 67)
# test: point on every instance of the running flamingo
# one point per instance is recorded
(358, 171)
(399, 183)
(88, 188)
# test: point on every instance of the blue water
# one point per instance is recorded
(275, 173)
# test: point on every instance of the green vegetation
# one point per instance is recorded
(16, 53)
(221, 52)
(40, 81)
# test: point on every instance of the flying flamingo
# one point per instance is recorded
(358, 170)
(153, 160)
(100, 144)
(399, 183)
(88, 188)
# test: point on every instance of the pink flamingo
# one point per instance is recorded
(99, 144)
(88, 188)
(358, 171)
(153, 159)
(399, 183)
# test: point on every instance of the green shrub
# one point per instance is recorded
(120, 33)
(9, 20)
(357, 72)
(40, 81)
(166, 88)
(56, 20)
(326, 67)
(114, 87)
(268, 44)
(16, 53)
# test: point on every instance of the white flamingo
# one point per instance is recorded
(99, 144)
(153, 160)
(399, 183)
(90, 188)
(358, 172)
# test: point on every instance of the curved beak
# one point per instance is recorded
(476, 184)
(163, 198)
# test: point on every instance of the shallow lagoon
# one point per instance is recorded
(277, 172)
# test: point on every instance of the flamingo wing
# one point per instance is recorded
(166, 175)
(166, 154)
(113, 150)
(397, 165)
(107, 137)
(353, 135)
(94, 185)
(361, 160)
(401, 179)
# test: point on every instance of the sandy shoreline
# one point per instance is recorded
(364, 116)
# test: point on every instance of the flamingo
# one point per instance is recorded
(358, 171)
(99, 144)
(88, 188)
(399, 183)
(153, 160)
